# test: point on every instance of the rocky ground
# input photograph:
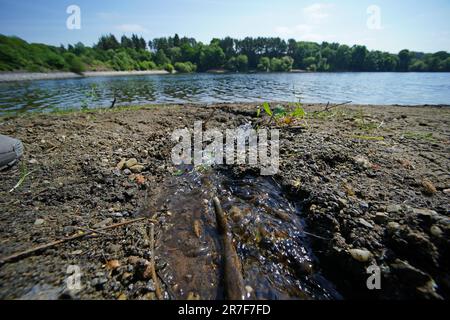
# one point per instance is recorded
(373, 181)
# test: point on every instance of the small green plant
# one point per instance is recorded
(23, 175)
(281, 115)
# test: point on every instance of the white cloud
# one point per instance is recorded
(313, 15)
(131, 28)
(317, 12)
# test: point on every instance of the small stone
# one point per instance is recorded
(436, 231)
(137, 168)
(127, 172)
(394, 208)
(235, 214)
(249, 290)
(193, 296)
(122, 296)
(446, 191)
(362, 161)
(33, 161)
(121, 164)
(130, 163)
(393, 226)
(424, 212)
(381, 218)
(69, 229)
(364, 205)
(429, 188)
(150, 286)
(361, 255)
(144, 153)
(104, 160)
(342, 202)
(39, 222)
(76, 252)
(116, 214)
(365, 223)
(98, 283)
(112, 264)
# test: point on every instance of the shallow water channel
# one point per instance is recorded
(267, 231)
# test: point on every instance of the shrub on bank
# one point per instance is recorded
(168, 67)
(74, 63)
(185, 67)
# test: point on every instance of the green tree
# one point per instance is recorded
(161, 58)
(211, 57)
(264, 64)
(359, 54)
(404, 57)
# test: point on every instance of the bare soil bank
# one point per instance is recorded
(373, 182)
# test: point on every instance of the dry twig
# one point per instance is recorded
(25, 253)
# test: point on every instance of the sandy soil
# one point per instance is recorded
(373, 181)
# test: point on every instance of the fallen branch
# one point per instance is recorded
(152, 263)
(328, 107)
(25, 253)
(233, 281)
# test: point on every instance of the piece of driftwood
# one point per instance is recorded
(233, 281)
(25, 253)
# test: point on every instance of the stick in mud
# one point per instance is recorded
(152, 263)
(233, 281)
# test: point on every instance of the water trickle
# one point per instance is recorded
(267, 231)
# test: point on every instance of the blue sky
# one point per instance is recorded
(413, 24)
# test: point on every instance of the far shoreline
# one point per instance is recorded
(30, 76)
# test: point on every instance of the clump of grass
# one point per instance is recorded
(427, 136)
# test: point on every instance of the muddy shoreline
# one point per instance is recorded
(373, 184)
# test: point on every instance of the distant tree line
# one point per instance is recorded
(188, 55)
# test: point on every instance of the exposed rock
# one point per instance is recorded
(130, 163)
(137, 168)
(362, 162)
(381, 218)
(39, 222)
(121, 164)
(393, 226)
(436, 231)
(365, 223)
(393, 208)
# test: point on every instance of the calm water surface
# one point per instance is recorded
(361, 88)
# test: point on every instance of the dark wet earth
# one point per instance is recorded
(267, 229)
